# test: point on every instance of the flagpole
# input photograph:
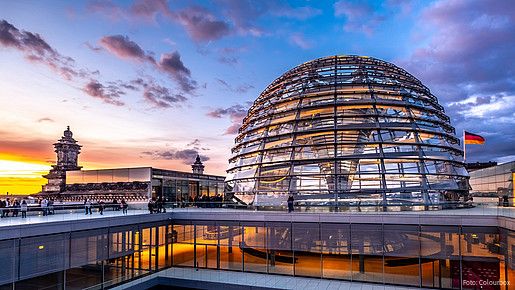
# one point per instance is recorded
(464, 148)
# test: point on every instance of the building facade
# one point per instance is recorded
(67, 182)
(494, 181)
(347, 130)
(140, 184)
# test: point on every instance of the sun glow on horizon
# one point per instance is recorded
(21, 177)
(9, 168)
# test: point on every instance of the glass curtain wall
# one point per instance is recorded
(447, 257)
(84, 259)
(412, 255)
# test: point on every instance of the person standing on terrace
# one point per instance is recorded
(23, 208)
(87, 206)
(290, 203)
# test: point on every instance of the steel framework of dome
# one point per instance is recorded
(347, 129)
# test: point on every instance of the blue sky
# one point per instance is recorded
(156, 82)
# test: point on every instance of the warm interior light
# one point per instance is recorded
(41, 247)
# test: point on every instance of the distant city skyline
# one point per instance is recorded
(154, 83)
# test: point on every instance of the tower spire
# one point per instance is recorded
(197, 167)
(67, 150)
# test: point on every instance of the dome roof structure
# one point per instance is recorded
(347, 129)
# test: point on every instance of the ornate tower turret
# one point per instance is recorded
(198, 167)
(67, 151)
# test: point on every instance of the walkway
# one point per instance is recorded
(70, 215)
(248, 281)
(60, 216)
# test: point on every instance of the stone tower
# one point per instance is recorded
(198, 167)
(67, 151)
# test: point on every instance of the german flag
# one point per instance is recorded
(473, 138)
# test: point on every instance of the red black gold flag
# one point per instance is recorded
(473, 138)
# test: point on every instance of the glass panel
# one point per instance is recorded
(307, 249)
(8, 253)
(280, 254)
(401, 255)
(105, 175)
(207, 234)
(42, 255)
(90, 176)
(88, 247)
(139, 174)
(121, 175)
(508, 249)
(367, 252)
(336, 257)
(73, 177)
(439, 249)
(231, 246)
(183, 248)
(254, 247)
(482, 258)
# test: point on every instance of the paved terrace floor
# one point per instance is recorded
(489, 211)
(241, 280)
(61, 216)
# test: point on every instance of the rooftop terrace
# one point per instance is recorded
(70, 220)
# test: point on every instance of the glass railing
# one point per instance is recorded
(488, 208)
(67, 212)
(63, 212)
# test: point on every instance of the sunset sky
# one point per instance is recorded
(153, 83)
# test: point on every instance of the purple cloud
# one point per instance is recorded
(161, 97)
(154, 94)
(228, 55)
(149, 9)
(172, 64)
(124, 48)
(108, 94)
(244, 14)
(466, 63)
(469, 51)
(235, 113)
(202, 25)
(37, 50)
(187, 156)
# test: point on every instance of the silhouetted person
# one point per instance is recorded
(16, 208)
(151, 206)
(2, 208)
(125, 206)
(51, 206)
(290, 203)
(159, 204)
(101, 207)
(116, 206)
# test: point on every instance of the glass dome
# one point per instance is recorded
(347, 129)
